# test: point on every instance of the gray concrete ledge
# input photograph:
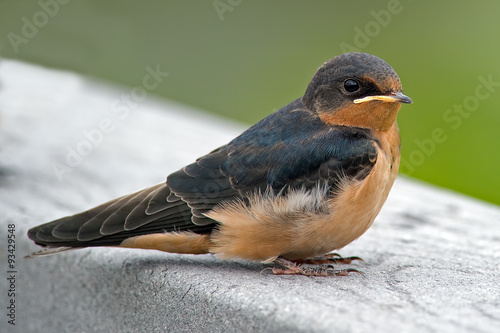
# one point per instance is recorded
(431, 256)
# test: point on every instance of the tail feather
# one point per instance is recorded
(49, 251)
(140, 213)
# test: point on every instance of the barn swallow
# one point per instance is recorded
(304, 181)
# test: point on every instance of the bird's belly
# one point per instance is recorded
(291, 228)
(351, 213)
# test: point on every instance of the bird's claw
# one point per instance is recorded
(293, 268)
(329, 258)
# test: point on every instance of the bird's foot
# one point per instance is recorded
(329, 258)
(293, 268)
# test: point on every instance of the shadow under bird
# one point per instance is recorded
(306, 180)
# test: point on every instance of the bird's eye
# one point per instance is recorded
(351, 85)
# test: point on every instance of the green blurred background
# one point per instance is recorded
(246, 59)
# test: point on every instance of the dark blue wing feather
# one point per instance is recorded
(290, 148)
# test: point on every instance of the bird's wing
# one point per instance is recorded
(143, 212)
(289, 149)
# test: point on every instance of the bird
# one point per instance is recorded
(301, 183)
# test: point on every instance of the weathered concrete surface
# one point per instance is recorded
(431, 257)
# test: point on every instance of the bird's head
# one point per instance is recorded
(356, 89)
